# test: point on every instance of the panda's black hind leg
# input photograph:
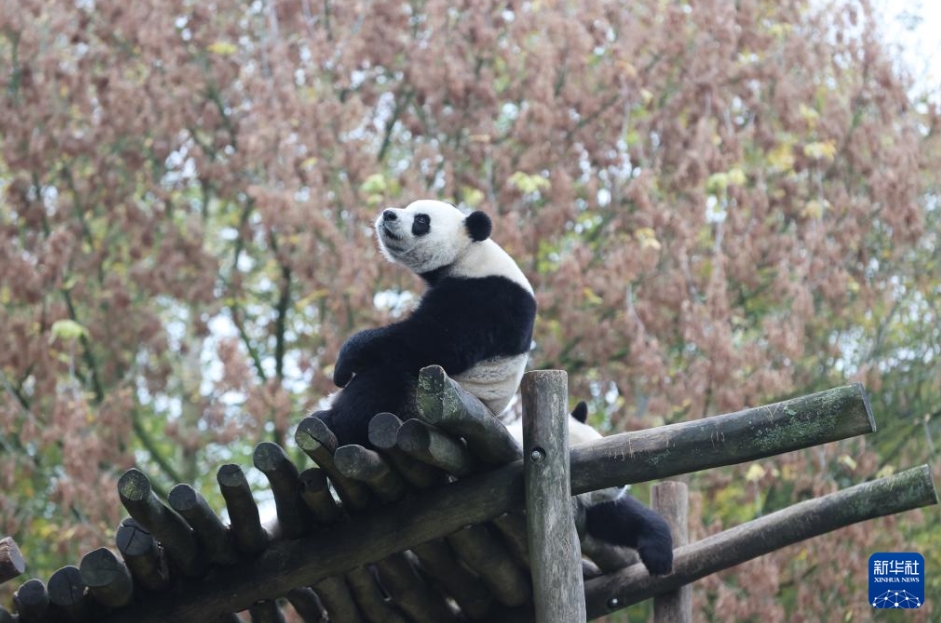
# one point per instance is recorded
(625, 521)
(370, 392)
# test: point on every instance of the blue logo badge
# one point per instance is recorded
(896, 580)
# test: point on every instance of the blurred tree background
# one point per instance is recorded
(719, 204)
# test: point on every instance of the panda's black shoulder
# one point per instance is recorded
(491, 290)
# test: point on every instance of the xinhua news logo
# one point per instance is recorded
(896, 580)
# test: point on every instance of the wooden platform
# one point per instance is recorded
(430, 527)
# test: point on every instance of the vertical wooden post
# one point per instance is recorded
(671, 500)
(558, 588)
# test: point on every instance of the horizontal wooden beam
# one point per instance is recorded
(729, 439)
(629, 457)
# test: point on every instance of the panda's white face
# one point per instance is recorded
(424, 236)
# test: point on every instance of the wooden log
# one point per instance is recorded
(558, 587)
(266, 612)
(210, 531)
(337, 601)
(67, 593)
(442, 402)
(512, 528)
(294, 519)
(383, 435)
(430, 445)
(315, 491)
(31, 601)
(486, 557)
(12, 563)
(671, 500)
(608, 558)
(319, 443)
(144, 558)
(440, 564)
(906, 490)
(174, 534)
(107, 578)
(307, 605)
(248, 535)
(411, 593)
(374, 607)
(366, 466)
(368, 537)
(746, 435)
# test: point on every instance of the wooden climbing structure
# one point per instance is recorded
(447, 519)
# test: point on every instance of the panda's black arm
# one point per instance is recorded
(359, 351)
(458, 324)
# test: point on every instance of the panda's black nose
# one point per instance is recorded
(388, 215)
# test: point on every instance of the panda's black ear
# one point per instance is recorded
(580, 412)
(478, 226)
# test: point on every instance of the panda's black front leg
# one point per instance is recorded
(360, 351)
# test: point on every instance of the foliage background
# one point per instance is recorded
(719, 204)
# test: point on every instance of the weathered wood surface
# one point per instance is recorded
(624, 458)
(430, 445)
(210, 531)
(144, 558)
(554, 552)
(440, 563)
(294, 518)
(12, 563)
(67, 594)
(266, 612)
(367, 466)
(307, 605)
(31, 601)
(411, 592)
(174, 534)
(442, 402)
(721, 440)
(249, 536)
(369, 597)
(671, 500)
(107, 578)
(484, 555)
(337, 601)
(384, 435)
(315, 490)
(319, 443)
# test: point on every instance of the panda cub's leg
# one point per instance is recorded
(625, 521)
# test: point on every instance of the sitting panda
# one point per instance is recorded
(476, 321)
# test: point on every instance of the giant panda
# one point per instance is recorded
(476, 321)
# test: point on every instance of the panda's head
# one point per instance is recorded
(428, 236)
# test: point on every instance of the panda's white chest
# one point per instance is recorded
(495, 380)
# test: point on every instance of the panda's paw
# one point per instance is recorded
(656, 553)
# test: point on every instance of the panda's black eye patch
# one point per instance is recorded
(421, 225)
